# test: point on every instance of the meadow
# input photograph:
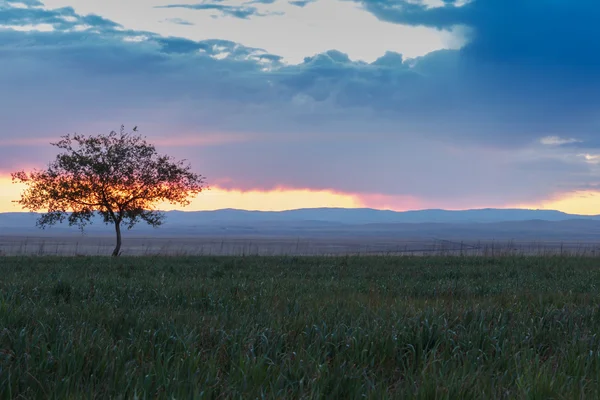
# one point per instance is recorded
(350, 327)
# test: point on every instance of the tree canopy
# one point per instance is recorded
(119, 176)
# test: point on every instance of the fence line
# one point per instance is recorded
(70, 246)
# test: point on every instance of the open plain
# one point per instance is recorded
(302, 310)
(292, 327)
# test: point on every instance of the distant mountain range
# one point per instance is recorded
(355, 216)
(496, 224)
(351, 216)
(316, 216)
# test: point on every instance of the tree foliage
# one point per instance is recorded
(119, 176)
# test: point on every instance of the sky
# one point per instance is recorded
(282, 104)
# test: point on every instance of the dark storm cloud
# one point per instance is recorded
(530, 32)
(534, 62)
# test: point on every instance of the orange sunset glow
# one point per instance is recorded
(269, 200)
(218, 198)
(579, 202)
(585, 203)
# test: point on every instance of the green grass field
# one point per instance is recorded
(295, 327)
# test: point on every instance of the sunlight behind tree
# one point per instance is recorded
(118, 176)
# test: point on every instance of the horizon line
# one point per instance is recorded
(346, 208)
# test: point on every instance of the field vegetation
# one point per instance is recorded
(292, 327)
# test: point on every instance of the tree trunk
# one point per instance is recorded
(117, 250)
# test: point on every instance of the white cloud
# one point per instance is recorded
(296, 33)
(18, 5)
(557, 141)
(138, 38)
(31, 27)
(591, 158)
(439, 3)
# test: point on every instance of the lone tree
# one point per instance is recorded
(118, 176)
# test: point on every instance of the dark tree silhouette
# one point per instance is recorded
(118, 176)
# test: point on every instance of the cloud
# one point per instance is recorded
(557, 141)
(301, 3)
(510, 31)
(452, 126)
(289, 31)
(525, 66)
(243, 11)
(178, 21)
(61, 18)
(24, 3)
(592, 158)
